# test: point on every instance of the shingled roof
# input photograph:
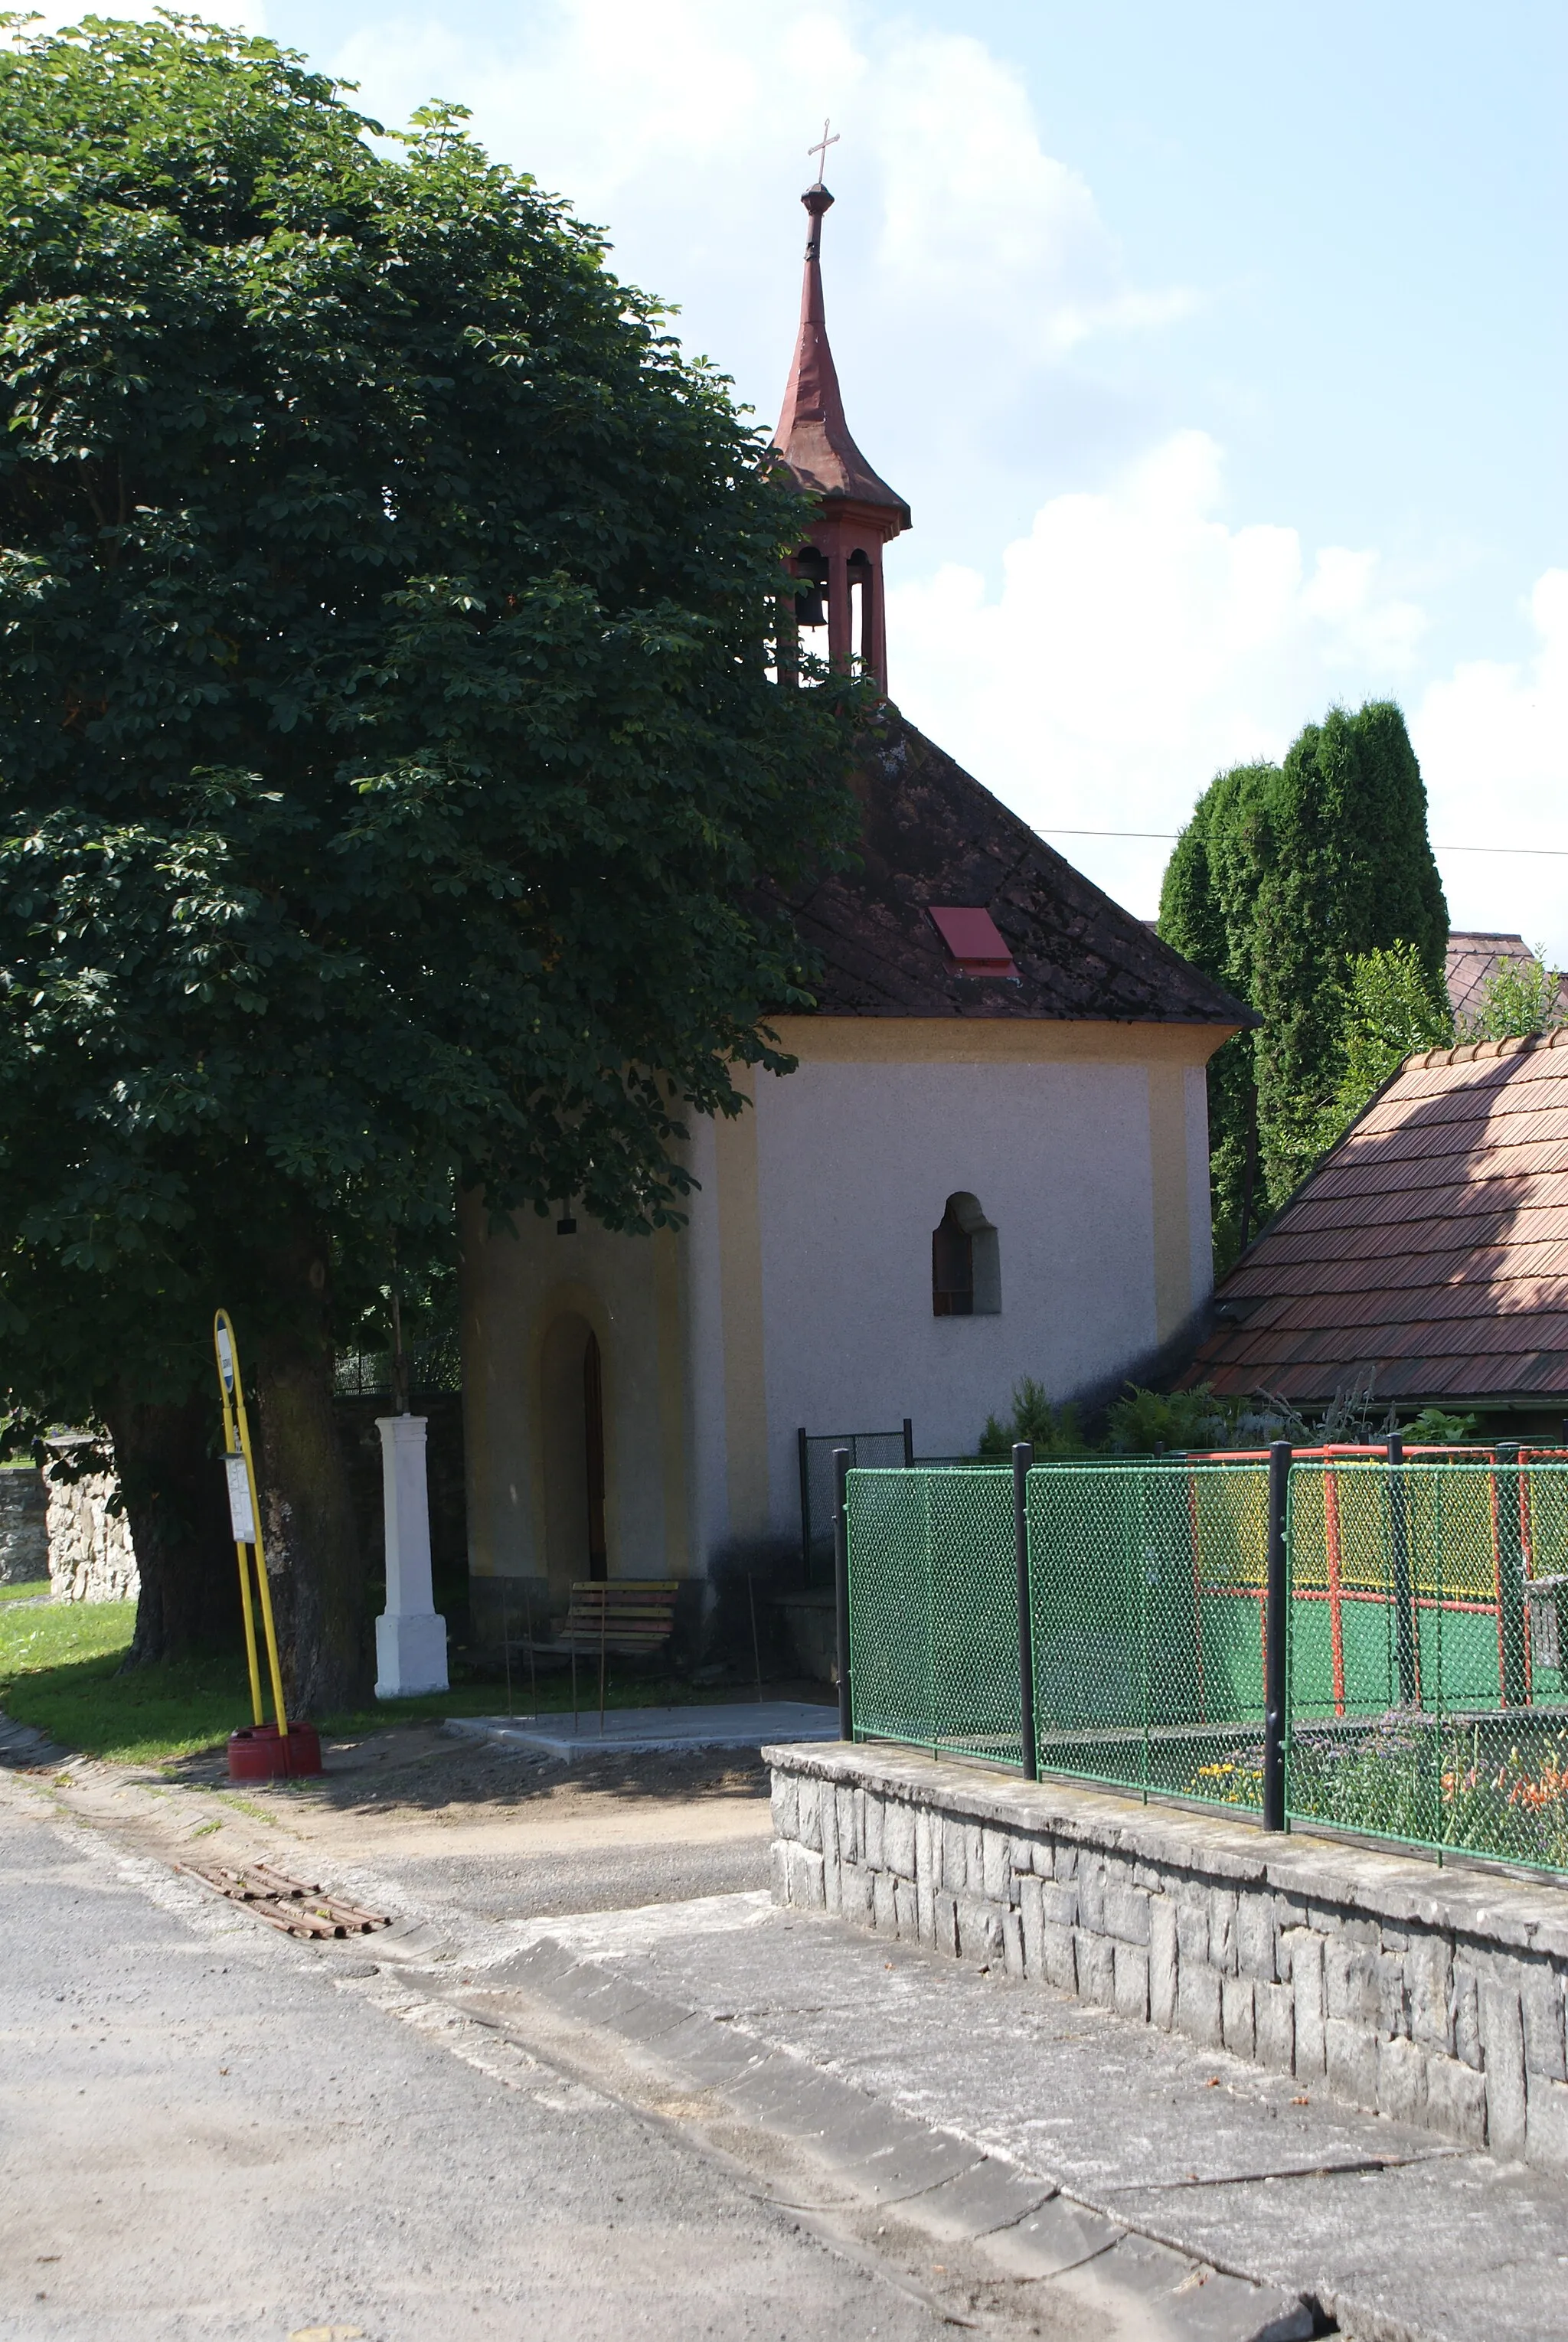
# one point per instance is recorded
(1475, 956)
(933, 836)
(1429, 1250)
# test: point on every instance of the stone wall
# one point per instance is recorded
(24, 1535)
(1433, 1997)
(91, 1558)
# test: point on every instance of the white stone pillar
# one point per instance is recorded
(410, 1638)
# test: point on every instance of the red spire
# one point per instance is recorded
(855, 512)
(813, 436)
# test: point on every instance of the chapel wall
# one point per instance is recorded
(1091, 1173)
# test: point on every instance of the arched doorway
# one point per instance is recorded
(594, 1455)
(573, 1422)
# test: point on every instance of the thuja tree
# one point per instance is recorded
(1206, 910)
(391, 784)
(1283, 877)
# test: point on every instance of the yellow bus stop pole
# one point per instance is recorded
(242, 1551)
(233, 1392)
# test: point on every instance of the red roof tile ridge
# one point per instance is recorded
(1466, 1053)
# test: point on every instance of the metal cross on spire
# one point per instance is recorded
(823, 144)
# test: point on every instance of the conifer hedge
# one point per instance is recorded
(1284, 875)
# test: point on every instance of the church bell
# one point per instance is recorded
(810, 609)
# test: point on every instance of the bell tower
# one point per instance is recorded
(839, 568)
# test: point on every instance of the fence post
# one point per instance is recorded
(1276, 1629)
(909, 1443)
(1403, 1591)
(841, 1586)
(1510, 1576)
(1023, 1457)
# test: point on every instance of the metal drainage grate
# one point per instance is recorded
(293, 1904)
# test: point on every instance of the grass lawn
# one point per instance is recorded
(58, 1671)
(27, 1593)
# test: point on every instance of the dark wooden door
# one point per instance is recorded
(594, 1450)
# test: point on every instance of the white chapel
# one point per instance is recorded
(992, 1162)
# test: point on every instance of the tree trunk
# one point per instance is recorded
(177, 1512)
(315, 1570)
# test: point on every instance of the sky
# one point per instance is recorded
(1219, 353)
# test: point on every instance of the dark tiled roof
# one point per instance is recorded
(1474, 956)
(933, 836)
(1430, 1249)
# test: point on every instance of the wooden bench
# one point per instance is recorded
(631, 1617)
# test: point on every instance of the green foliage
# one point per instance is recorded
(1140, 1423)
(391, 791)
(1054, 1431)
(1173, 1423)
(1283, 876)
(1352, 872)
(1146, 1421)
(1498, 1792)
(1390, 1008)
(1432, 1429)
(1522, 997)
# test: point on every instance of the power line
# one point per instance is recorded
(1056, 830)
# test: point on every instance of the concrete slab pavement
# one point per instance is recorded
(645, 1731)
(1398, 2237)
(865, 2172)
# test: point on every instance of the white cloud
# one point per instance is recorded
(981, 225)
(1493, 739)
(1138, 644)
(685, 127)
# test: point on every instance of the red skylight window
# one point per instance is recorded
(975, 946)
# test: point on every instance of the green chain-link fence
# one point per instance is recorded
(1427, 1696)
(934, 1610)
(1147, 1604)
(1426, 1684)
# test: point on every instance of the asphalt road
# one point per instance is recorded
(209, 2131)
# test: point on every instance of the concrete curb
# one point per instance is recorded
(877, 2158)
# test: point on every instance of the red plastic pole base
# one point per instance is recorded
(259, 1752)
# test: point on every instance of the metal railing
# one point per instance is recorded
(1346, 1641)
(816, 1451)
(433, 1365)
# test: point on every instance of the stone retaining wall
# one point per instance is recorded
(1433, 1997)
(24, 1534)
(91, 1557)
